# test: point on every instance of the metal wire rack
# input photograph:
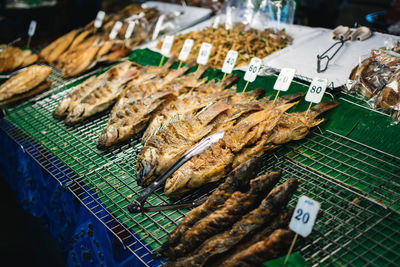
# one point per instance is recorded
(357, 186)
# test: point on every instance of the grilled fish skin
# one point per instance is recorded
(13, 57)
(34, 91)
(276, 200)
(273, 246)
(102, 97)
(51, 53)
(235, 206)
(24, 81)
(238, 179)
(216, 161)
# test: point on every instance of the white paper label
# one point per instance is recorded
(349, 84)
(230, 61)
(157, 28)
(204, 53)
(167, 45)
(284, 79)
(304, 216)
(129, 30)
(32, 28)
(186, 48)
(228, 19)
(316, 90)
(115, 29)
(99, 19)
(216, 22)
(252, 71)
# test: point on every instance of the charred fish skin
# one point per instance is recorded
(273, 246)
(220, 243)
(238, 179)
(235, 206)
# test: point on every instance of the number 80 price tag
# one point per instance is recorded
(316, 90)
(304, 216)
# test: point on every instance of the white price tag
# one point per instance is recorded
(186, 48)
(204, 53)
(304, 216)
(158, 26)
(115, 29)
(32, 28)
(316, 90)
(230, 61)
(284, 79)
(129, 30)
(99, 19)
(252, 71)
(216, 21)
(167, 45)
(228, 19)
(350, 84)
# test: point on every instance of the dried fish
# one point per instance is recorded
(12, 58)
(236, 205)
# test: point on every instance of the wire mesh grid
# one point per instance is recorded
(356, 185)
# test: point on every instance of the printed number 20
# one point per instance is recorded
(302, 216)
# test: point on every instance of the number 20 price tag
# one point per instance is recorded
(304, 216)
(187, 46)
(230, 61)
(316, 90)
(253, 69)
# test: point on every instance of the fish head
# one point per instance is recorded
(108, 138)
(145, 166)
(75, 116)
(62, 109)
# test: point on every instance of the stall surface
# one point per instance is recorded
(350, 164)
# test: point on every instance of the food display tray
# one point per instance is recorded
(343, 164)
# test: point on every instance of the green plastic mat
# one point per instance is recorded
(356, 182)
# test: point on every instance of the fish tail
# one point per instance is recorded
(290, 98)
(321, 108)
(287, 106)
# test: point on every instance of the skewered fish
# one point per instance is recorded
(12, 58)
(251, 137)
(104, 96)
(251, 222)
(273, 246)
(25, 81)
(236, 205)
(238, 179)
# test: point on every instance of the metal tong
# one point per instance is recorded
(342, 34)
(138, 204)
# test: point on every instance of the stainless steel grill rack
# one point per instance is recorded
(358, 186)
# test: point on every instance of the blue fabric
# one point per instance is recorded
(85, 241)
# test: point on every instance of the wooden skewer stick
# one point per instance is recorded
(291, 248)
(308, 108)
(29, 41)
(245, 87)
(223, 78)
(161, 61)
(273, 103)
(180, 64)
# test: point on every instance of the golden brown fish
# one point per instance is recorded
(52, 52)
(12, 58)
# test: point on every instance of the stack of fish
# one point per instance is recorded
(377, 78)
(251, 128)
(81, 49)
(242, 223)
(12, 57)
(33, 80)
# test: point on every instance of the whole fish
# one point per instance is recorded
(12, 58)
(52, 52)
(102, 97)
(24, 81)
(216, 162)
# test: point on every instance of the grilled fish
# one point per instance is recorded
(216, 161)
(234, 208)
(276, 200)
(24, 81)
(102, 97)
(12, 58)
(273, 246)
(52, 52)
(237, 180)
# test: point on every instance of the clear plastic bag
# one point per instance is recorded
(275, 13)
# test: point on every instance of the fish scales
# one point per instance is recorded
(235, 206)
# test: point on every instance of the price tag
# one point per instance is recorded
(158, 26)
(204, 53)
(99, 19)
(129, 30)
(228, 19)
(187, 46)
(167, 45)
(284, 79)
(216, 22)
(115, 29)
(32, 28)
(230, 61)
(252, 71)
(316, 90)
(304, 216)
(350, 84)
